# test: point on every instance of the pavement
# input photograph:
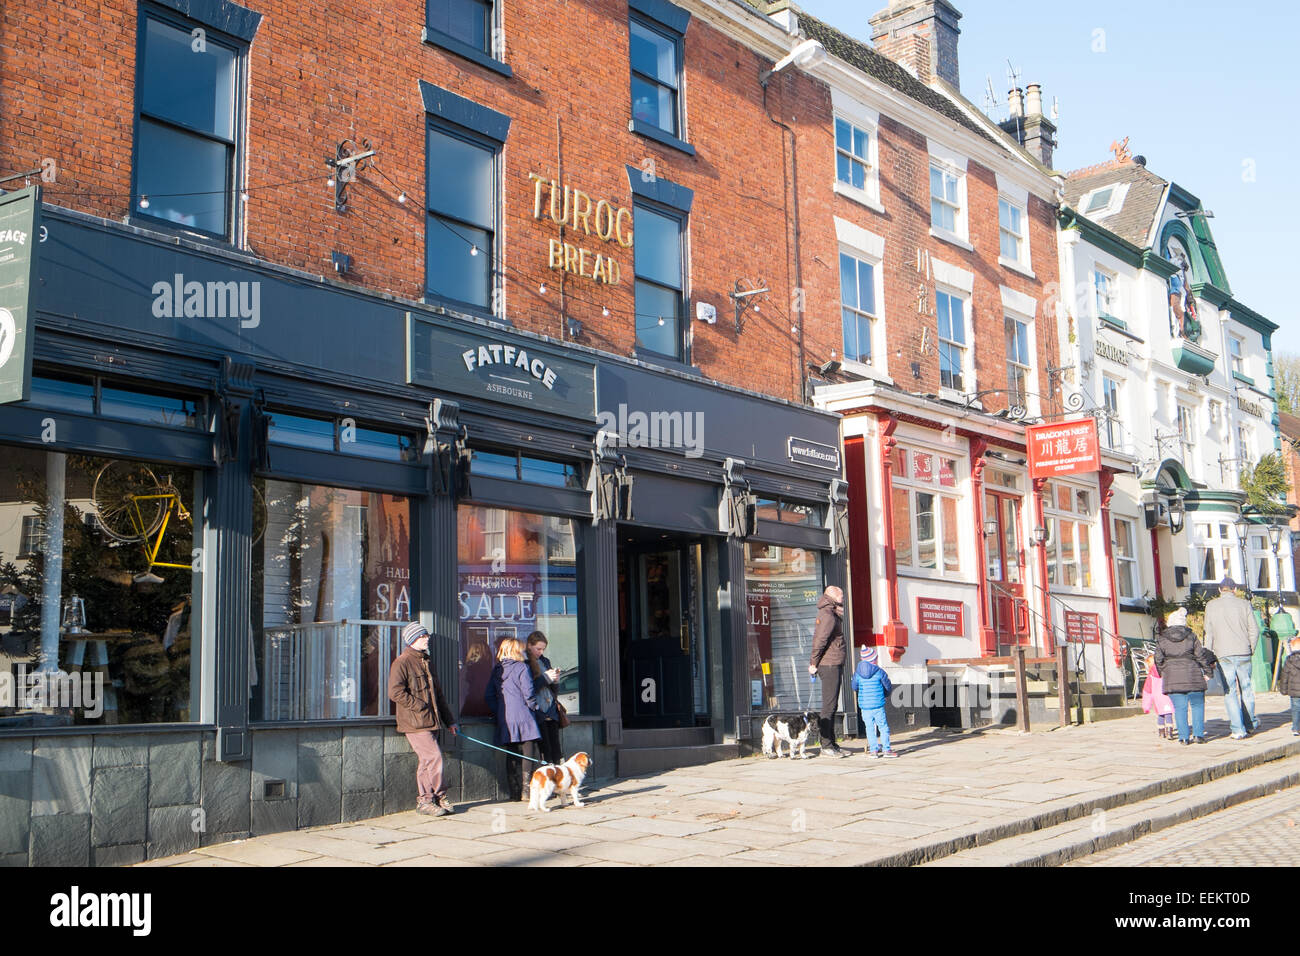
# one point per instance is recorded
(949, 793)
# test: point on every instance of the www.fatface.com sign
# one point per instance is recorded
(20, 223)
(500, 368)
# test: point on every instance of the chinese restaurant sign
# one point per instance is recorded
(936, 616)
(20, 223)
(1063, 448)
(1082, 627)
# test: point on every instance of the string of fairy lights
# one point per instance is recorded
(537, 286)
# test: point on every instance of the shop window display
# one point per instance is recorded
(517, 574)
(782, 586)
(102, 596)
(331, 589)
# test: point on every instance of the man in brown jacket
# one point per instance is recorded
(827, 664)
(421, 710)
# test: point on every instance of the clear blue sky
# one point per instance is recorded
(1199, 88)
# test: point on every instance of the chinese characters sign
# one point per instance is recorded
(1063, 448)
(936, 616)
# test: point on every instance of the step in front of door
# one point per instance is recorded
(633, 761)
(667, 736)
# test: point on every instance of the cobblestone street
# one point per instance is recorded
(1263, 832)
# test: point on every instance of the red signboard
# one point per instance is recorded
(1082, 627)
(1063, 448)
(937, 616)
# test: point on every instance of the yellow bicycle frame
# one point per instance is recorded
(151, 549)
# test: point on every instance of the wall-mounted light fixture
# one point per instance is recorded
(745, 299)
(1040, 536)
(990, 526)
(806, 55)
(1177, 514)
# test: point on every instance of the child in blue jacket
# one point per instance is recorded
(872, 687)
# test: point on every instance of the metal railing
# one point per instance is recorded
(315, 671)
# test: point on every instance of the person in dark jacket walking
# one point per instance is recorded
(545, 680)
(827, 664)
(421, 710)
(512, 700)
(1288, 682)
(1184, 667)
(873, 686)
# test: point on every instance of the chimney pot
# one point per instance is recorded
(1034, 100)
(1016, 101)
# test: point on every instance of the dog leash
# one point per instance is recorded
(509, 753)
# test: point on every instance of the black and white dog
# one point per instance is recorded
(789, 729)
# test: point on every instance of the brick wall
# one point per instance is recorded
(319, 74)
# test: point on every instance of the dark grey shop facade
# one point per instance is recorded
(234, 482)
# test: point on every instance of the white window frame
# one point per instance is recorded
(1053, 515)
(1100, 272)
(967, 374)
(1114, 415)
(868, 247)
(956, 492)
(1126, 568)
(953, 164)
(1025, 366)
(1258, 549)
(1113, 205)
(851, 111)
(872, 316)
(1186, 436)
(1237, 354)
(1219, 537)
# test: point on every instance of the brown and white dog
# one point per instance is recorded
(551, 779)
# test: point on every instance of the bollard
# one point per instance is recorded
(1063, 682)
(1022, 690)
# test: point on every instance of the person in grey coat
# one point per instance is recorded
(512, 700)
(1184, 666)
(1231, 633)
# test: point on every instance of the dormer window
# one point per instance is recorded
(1103, 201)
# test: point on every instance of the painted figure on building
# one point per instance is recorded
(1182, 303)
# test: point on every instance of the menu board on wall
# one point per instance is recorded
(1083, 627)
(937, 616)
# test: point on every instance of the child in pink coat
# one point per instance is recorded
(1154, 698)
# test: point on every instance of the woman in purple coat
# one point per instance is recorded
(511, 699)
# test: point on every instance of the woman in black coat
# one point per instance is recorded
(1184, 665)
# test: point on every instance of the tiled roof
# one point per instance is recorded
(1289, 425)
(1134, 219)
(880, 67)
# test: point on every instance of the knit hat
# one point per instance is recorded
(412, 633)
(867, 654)
(1177, 619)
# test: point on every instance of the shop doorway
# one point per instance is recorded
(662, 651)
(1005, 554)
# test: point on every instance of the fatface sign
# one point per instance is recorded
(498, 367)
(20, 224)
(1063, 448)
(813, 453)
(937, 616)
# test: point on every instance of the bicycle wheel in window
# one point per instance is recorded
(120, 513)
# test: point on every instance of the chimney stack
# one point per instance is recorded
(1027, 124)
(921, 36)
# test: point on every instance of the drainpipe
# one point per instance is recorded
(794, 219)
(1107, 479)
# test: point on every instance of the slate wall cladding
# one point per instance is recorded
(115, 799)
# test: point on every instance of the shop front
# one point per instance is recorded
(214, 522)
